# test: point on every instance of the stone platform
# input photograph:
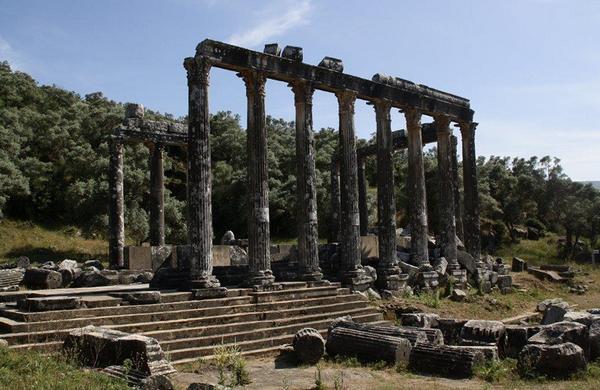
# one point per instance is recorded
(257, 322)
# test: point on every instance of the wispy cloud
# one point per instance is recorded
(8, 53)
(272, 25)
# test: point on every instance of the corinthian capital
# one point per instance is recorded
(303, 91)
(198, 70)
(255, 83)
(346, 100)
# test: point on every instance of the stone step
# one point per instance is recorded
(288, 294)
(43, 331)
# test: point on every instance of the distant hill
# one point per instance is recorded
(596, 184)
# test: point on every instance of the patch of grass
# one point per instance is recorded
(231, 366)
(430, 299)
(496, 371)
(42, 244)
(542, 251)
(30, 370)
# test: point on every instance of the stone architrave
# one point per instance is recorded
(363, 209)
(416, 188)
(259, 241)
(306, 189)
(116, 212)
(351, 270)
(200, 230)
(471, 211)
(157, 195)
(387, 269)
(446, 192)
(335, 228)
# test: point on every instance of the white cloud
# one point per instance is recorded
(8, 53)
(268, 27)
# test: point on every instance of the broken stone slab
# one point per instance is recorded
(367, 346)
(483, 331)
(309, 345)
(466, 261)
(101, 347)
(504, 281)
(11, 277)
(557, 360)
(440, 265)
(543, 305)
(556, 267)
(274, 50)
(583, 317)
(551, 276)
(92, 277)
(451, 329)
(144, 277)
(555, 312)
(139, 297)
(95, 301)
(94, 263)
(594, 339)
(41, 278)
(49, 303)
(331, 63)
(458, 295)
(419, 320)
(68, 264)
(562, 332)
(414, 335)
(444, 360)
(293, 53)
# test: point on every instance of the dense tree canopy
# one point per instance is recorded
(54, 161)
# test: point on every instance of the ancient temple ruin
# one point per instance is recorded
(384, 93)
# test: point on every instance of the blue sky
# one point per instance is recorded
(530, 67)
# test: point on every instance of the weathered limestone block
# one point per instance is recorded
(518, 265)
(367, 346)
(594, 339)
(483, 331)
(94, 263)
(332, 63)
(582, 317)
(466, 261)
(440, 265)
(139, 297)
(458, 295)
(414, 335)
(554, 312)
(39, 278)
(562, 332)
(102, 347)
(68, 264)
(558, 360)
(451, 329)
(49, 303)
(420, 320)
(543, 305)
(444, 360)
(11, 277)
(293, 53)
(490, 352)
(504, 282)
(309, 345)
(92, 277)
(516, 337)
(272, 49)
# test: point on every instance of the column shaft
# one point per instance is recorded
(335, 228)
(116, 213)
(199, 186)
(416, 195)
(447, 219)
(259, 242)
(362, 198)
(350, 233)
(306, 187)
(157, 195)
(456, 185)
(471, 210)
(386, 204)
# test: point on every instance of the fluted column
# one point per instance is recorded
(456, 185)
(386, 204)
(306, 187)
(350, 233)
(116, 205)
(335, 227)
(363, 208)
(199, 204)
(416, 195)
(471, 210)
(157, 195)
(446, 188)
(259, 241)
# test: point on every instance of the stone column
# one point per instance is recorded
(200, 232)
(351, 270)
(335, 227)
(387, 269)
(259, 242)
(471, 210)
(157, 195)
(456, 186)
(416, 189)
(363, 209)
(306, 187)
(447, 221)
(116, 205)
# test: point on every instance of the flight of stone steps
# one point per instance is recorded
(257, 322)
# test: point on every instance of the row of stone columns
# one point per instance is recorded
(451, 211)
(116, 215)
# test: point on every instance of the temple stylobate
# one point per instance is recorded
(384, 93)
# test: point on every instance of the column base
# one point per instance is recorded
(260, 279)
(309, 276)
(426, 280)
(357, 280)
(452, 266)
(459, 276)
(203, 282)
